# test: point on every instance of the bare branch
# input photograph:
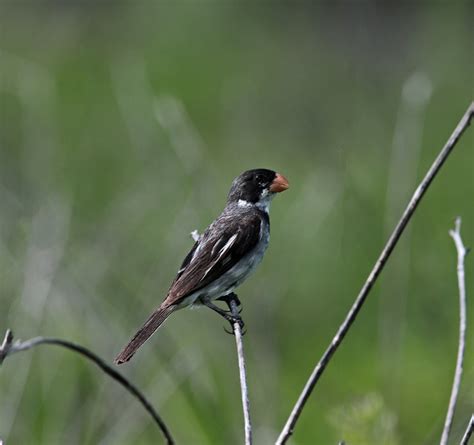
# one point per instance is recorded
(8, 348)
(461, 251)
(243, 379)
(378, 267)
(468, 433)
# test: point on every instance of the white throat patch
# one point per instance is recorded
(263, 203)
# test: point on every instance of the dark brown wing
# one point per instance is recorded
(223, 244)
(186, 262)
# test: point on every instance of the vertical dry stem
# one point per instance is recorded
(461, 251)
(376, 270)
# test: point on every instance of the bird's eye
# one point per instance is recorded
(259, 178)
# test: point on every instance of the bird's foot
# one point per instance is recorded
(232, 315)
(233, 320)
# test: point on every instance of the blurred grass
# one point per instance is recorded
(121, 127)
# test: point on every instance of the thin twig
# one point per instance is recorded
(378, 267)
(468, 433)
(8, 348)
(461, 251)
(243, 379)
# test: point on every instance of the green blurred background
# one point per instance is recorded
(122, 125)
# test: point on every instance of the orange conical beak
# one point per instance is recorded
(279, 184)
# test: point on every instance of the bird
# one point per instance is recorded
(223, 257)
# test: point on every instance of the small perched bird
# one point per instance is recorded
(224, 256)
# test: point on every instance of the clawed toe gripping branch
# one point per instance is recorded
(233, 314)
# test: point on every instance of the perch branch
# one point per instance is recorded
(237, 328)
(468, 433)
(378, 267)
(9, 347)
(461, 253)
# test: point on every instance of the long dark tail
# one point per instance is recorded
(154, 321)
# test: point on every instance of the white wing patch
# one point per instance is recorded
(224, 249)
(198, 248)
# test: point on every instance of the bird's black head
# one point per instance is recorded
(254, 186)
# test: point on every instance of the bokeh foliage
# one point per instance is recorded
(122, 124)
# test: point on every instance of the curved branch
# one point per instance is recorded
(8, 348)
(378, 267)
(461, 251)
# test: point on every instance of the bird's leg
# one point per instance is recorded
(221, 312)
(230, 317)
